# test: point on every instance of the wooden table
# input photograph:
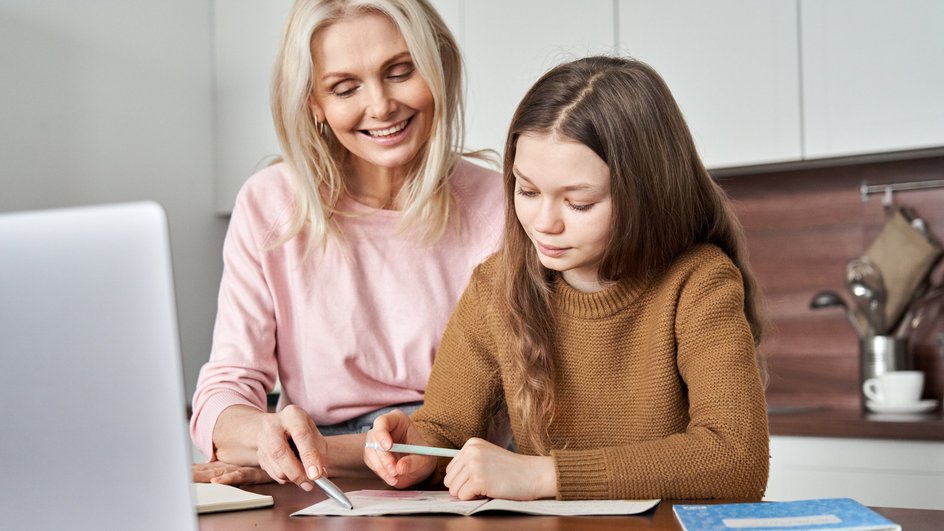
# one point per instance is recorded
(289, 498)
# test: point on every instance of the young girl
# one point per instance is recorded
(618, 324)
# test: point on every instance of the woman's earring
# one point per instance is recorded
(319, 125)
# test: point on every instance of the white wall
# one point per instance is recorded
(246, 35)
(110, 100)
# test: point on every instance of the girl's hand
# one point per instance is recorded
(228, 474)
(483, 469)
(398, 470)
(291, 449)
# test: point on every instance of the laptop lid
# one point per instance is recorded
(91, 388)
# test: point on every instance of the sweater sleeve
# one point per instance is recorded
(723, 452)
(464, 385)
(242, 365)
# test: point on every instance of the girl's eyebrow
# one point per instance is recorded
(518, 175)
(388, 62)
(582, 187)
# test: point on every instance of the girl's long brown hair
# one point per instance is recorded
(664, 202)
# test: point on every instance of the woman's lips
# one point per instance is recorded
(388, 139)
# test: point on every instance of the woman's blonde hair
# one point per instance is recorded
(664, 202)
(315, 156)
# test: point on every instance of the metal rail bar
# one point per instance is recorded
(888, 189)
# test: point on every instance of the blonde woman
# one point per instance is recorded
(343, 261)
(617, 325)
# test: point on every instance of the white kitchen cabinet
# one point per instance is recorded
(508, 45)
(873, 75)
(876, 472)
(732, 65)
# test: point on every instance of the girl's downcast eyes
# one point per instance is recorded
(526, 193)
(579, 207)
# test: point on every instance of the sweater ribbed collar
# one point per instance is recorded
(598, 304)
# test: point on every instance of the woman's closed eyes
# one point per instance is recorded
(397, 73)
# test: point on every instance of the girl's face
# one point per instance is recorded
(562, 200)
(368, 90)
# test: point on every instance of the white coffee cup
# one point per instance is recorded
(895, 387)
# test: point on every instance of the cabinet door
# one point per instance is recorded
(873, 75)
(883, 473)
(733, 68)
(246, 35)
(508, 45)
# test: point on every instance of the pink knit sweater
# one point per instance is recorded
(350, 329)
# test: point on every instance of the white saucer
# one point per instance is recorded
(915, 407)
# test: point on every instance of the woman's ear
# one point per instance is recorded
(315, 108)
(318, 115)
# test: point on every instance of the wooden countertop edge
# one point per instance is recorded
(849, 423)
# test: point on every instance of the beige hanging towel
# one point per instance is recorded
(904, 256)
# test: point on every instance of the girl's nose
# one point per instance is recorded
(548, 219)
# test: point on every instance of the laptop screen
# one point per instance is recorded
(91, 387)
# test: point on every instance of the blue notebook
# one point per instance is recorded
(835, 514)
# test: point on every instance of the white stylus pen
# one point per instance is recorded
(333, 492)
(415, 449)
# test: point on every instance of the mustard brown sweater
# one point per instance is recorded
(658, 390)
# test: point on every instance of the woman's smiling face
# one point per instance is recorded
(369, 92)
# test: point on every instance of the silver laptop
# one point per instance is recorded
(91, 389)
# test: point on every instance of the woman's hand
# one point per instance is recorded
(228, 474)
(290, 448)
(398, 470)
(483, 469)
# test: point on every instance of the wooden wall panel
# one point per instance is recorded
(803, 226)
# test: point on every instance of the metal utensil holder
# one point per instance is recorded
(881, 354)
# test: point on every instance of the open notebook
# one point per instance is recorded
(91, 387)
(391, 502)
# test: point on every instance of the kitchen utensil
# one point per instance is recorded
(922, 227)
(831, 299)
(864, 281)
(925, 311)
(903, 327)
(861, 296)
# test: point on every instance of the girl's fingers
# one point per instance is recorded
(383, 463)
